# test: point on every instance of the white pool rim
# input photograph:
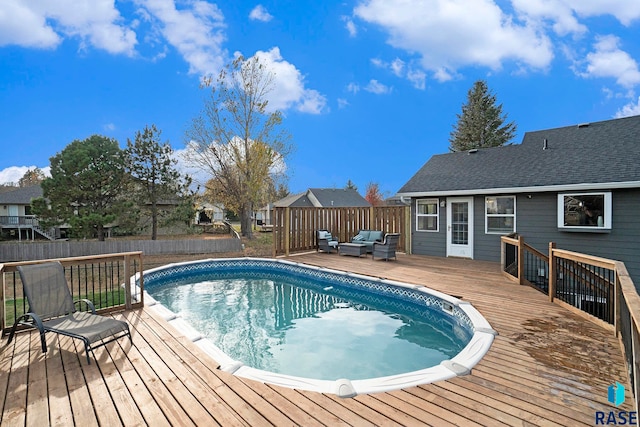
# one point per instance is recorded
(461, 364)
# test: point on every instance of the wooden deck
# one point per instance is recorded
(546, 367)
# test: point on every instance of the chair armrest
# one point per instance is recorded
(36, 320)
(88, 303)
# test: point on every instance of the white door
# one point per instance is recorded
(460, 227)
(13, 215)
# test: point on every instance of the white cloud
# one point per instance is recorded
(44, 24)
(195, 31)
(608, 60)
(342, 103)
(399, 68)
(289, 87)
(376, 87)
(21, 25)
(12, 174)
(259, 13)
(624, 11)
(631, 109)
(350, 26)
(417, 78)
(558, 12)
(353, 88)
(448, 35)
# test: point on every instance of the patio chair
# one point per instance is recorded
(386, 249)
(326, 242)
(52, 309)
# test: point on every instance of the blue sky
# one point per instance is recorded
(369, 89)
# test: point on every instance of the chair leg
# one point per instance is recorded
(38, 326)
(43, 341)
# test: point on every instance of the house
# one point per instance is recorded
(16, 220)
(577, 186)
(316, 197)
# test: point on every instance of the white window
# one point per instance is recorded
(500, 214)
(427, 215)
(584, 211)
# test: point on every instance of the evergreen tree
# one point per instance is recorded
(481, 123)
(350, 186)
(86, 187)
(153, 170)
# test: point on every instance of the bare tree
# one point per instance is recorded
(237, 140)
(31, 177)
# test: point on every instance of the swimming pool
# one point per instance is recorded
(334, 298)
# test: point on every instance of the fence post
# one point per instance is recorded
(2, 306)
(552, 272)
(287, 230)
(521, 260)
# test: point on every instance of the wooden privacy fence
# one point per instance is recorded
(34, 251)
(294, 228)
(597, 288)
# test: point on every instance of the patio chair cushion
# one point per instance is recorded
(375, 235)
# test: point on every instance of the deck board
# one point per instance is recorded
(547, 367)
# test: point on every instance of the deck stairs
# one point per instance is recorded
(44, 233)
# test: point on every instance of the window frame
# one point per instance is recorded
(487, 215)
(608, 210)
(435, 215)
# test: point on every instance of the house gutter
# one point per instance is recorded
(533, 189)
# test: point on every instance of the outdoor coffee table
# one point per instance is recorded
(354, 249)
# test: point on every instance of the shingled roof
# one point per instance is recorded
(324, 197)
(21, 196)
(597, 155)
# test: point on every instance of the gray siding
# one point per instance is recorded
(429, 242)
(536, 221)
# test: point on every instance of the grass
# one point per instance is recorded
(100, 300)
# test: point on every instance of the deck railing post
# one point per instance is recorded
(552, 272)
(617, 300)
(127, 283)
(521, 260)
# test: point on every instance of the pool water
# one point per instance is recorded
(291, 326)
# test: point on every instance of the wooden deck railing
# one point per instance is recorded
(598, 289)
(103, 279)
(294, 228)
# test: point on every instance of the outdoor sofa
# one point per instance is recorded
(368, 237)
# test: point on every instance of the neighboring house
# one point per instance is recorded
(316, 197)
(208, 213)
(16, 219)
(324, 198)
(577, 186)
